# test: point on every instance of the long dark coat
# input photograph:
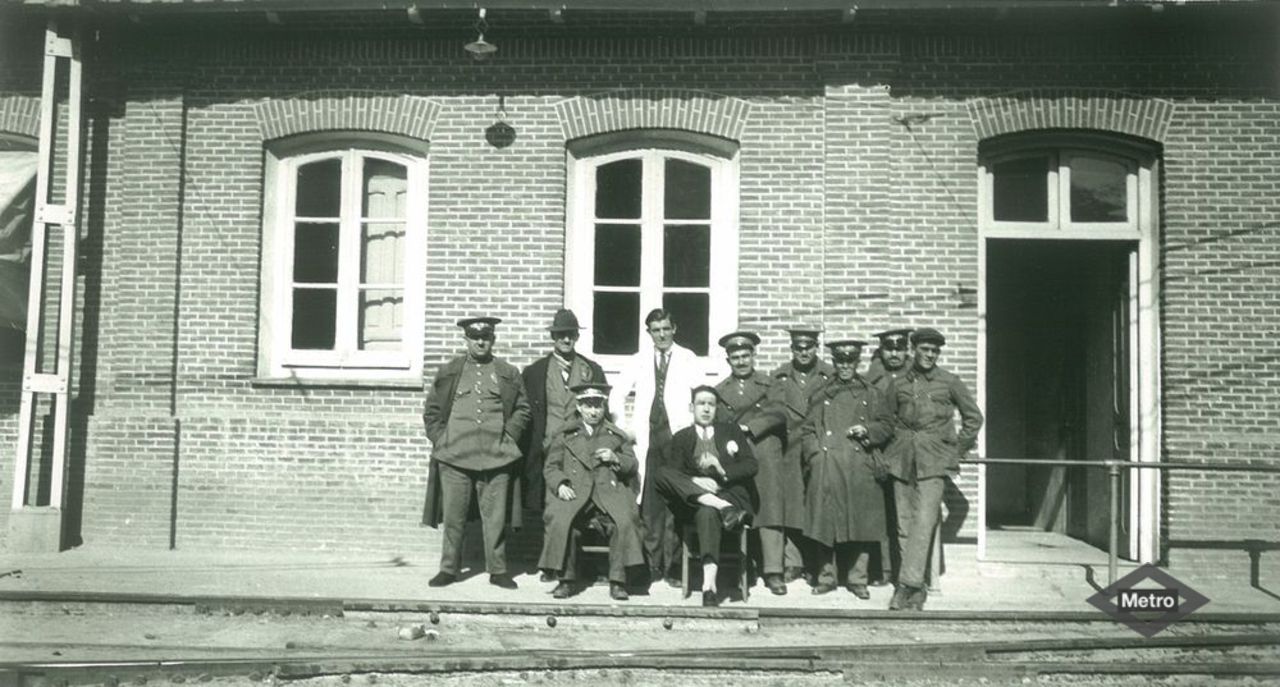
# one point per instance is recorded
(614, 492)
(435, 415)
(758, 403)
(738, 485)
(843, 500)
(535, 385)
(795, 400)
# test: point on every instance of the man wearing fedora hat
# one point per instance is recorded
(474, 415)
(926, 450)
(548, 381)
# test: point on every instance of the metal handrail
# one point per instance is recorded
(1113, 468)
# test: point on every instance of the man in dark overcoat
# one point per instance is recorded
(593, 476)
(548, 381)
(925, 453)
(848, 421)
(708, 478)
(889, 362)
(750, 400)
(474, 415)
(796, 381)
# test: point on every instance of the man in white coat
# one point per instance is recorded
(662, 375)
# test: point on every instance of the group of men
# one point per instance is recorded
(835, 471)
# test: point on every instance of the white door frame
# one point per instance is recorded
(1144, 332)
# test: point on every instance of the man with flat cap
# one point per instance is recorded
(593, 476)
(548, 381)
(796, 381)
(475, 414)
(750, 399)
(926, 450)
(888, 364)
(848, 422)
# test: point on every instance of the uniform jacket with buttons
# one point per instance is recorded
(759, 404)
(926, 443)
(435, 416)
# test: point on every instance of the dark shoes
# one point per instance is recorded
(775, 584)
(734, 517)
(710, 598)
(860, 591)
(823, 588)
(442, 579)
(563, 590)
(503, 581)
(618, 591)
(908, 598)
(916, 601)
(674, 582)
(547, 576)
(792, 574)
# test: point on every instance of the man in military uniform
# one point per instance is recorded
(475, 414)
(750, 399)
(888, 364)
(848, 421)
(796, 381)
(593, 476)
(926, 449)
(548, 380)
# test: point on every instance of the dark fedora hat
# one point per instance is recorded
(563, 321)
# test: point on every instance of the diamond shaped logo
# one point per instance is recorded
(1148, 600)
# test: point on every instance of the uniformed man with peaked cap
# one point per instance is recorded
(888, 364)
(847, 424)
(796, 381)
(593, 476)
(750, 399)
(925, 452)
(475, 414)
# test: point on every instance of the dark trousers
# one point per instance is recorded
(490, 488)
(706, 522)
(594, 519)
(661, 543)
(853, 556)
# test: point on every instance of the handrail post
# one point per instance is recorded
(1113, 482)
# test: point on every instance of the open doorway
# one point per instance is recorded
(1058, 381)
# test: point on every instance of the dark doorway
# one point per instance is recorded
(1057, 380)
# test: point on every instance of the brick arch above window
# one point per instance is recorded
(1096, 109)
(653, 108)
(405, 115)
(20, 114)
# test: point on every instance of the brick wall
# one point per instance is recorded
(858, 211)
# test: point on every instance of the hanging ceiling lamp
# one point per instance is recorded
(480, 48)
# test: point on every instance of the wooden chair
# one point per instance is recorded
(741, 556)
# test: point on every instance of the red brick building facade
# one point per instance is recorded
(889, 166)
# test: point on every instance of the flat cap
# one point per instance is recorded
(734, 341)
(928, 335)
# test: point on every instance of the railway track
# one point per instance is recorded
(875, 646)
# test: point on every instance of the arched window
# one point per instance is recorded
(653, 225)
(1063, 186)
(345, 226)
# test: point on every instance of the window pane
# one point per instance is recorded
(618, 190)
(686, 256)
(315, 253)
(1020, 190)
(381, 319)
(616, 327)
(688, 190)
(1098, 190)
(319, 188)
(691, 312)
(617, 255)
(386, 185)
(382, 253)
(314, 318)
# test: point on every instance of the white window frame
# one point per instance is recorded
(346, 362)
(1058, 182)
(580, 244)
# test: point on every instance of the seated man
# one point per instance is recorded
(591, 472)
(708, 477)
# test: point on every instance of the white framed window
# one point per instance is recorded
(1058, 190)
(652, 227)
(18, 161)
(345, 221)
